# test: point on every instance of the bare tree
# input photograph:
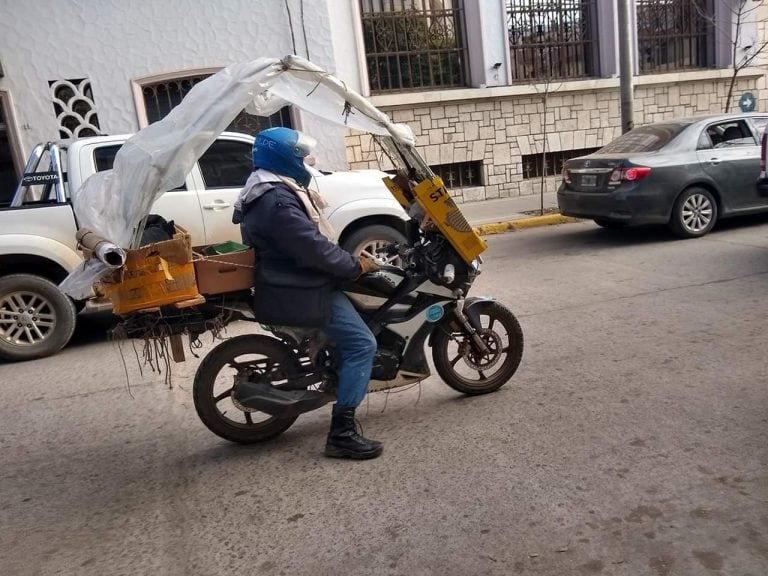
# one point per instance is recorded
(742, 14)
(544, 86)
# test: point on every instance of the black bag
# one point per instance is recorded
(292, 299)
(157, 229)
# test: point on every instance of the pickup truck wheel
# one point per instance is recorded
(370, 238)
(36, 318)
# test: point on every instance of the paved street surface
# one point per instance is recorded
(633, 441)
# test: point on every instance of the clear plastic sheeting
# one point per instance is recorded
(312, 89)
(114, 203)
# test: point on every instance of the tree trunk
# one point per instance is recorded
(729, 97)
(545, 101)
(734, 54)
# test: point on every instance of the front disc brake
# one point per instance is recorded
(486, 361)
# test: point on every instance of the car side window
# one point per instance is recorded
(705, 142)
(730, 134)
(226, 164)
(104, 159)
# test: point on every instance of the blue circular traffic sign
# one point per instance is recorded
(747, 102)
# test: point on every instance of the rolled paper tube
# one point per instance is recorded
(108, 252)
(111, 254)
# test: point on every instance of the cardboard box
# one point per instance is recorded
(154, 275)
(151, 284)
(222, 273)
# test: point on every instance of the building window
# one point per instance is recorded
(460, 174)
(533, 165)
(162, 97)
(414, 44)
(552, 40)
(75, 109)
(674, 35)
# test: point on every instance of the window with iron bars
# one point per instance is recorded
(162, 97)
(675, 35)
(457, 174)
(551, 39)
(533, 163)
(460, 174)
(414, 44)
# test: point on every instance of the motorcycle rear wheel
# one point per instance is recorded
(215, 382)
(477, 374)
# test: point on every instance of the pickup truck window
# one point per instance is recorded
(226, 164)
(104, 159)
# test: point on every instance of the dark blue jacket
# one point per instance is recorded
(295, 261)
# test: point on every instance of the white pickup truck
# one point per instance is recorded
(37, 231)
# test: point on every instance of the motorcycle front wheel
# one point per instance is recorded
(215, 382)
(469, 372)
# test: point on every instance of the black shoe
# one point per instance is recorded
(345, 442)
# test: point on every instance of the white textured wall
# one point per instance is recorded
(114, 41)
(345, 30)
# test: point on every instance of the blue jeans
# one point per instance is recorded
(356, 348)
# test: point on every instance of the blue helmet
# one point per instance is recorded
(282, 151)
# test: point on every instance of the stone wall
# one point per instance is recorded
(499, 131)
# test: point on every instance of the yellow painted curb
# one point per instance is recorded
(523, 223)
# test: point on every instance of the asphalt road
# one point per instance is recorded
(633, 440)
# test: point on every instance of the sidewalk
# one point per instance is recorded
(506, 209)
(504, 214)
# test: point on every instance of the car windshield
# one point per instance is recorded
(643, 139)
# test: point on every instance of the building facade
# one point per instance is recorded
(483, 127)
(469, 76)
(74, 68)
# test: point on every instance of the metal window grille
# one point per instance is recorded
(162, 97)
(675, 34)
(75, 108)
(414, 44)
(460, 174)
(533, 163)
(552, 39)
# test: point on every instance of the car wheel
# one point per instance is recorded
(36, 318)
(612, 224)
(694, 213)
(367, 240)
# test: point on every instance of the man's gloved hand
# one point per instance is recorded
(367, 264)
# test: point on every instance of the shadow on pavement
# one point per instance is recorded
(93, 328)
(634, 235)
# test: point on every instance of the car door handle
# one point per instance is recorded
(714, 161)
(217, 205)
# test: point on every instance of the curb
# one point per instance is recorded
(523, 223)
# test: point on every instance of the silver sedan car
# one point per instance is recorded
(685, 173)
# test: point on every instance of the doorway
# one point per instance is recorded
(10, 155)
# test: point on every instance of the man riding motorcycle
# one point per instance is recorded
(299, 266)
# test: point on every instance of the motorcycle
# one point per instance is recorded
(253, 387)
